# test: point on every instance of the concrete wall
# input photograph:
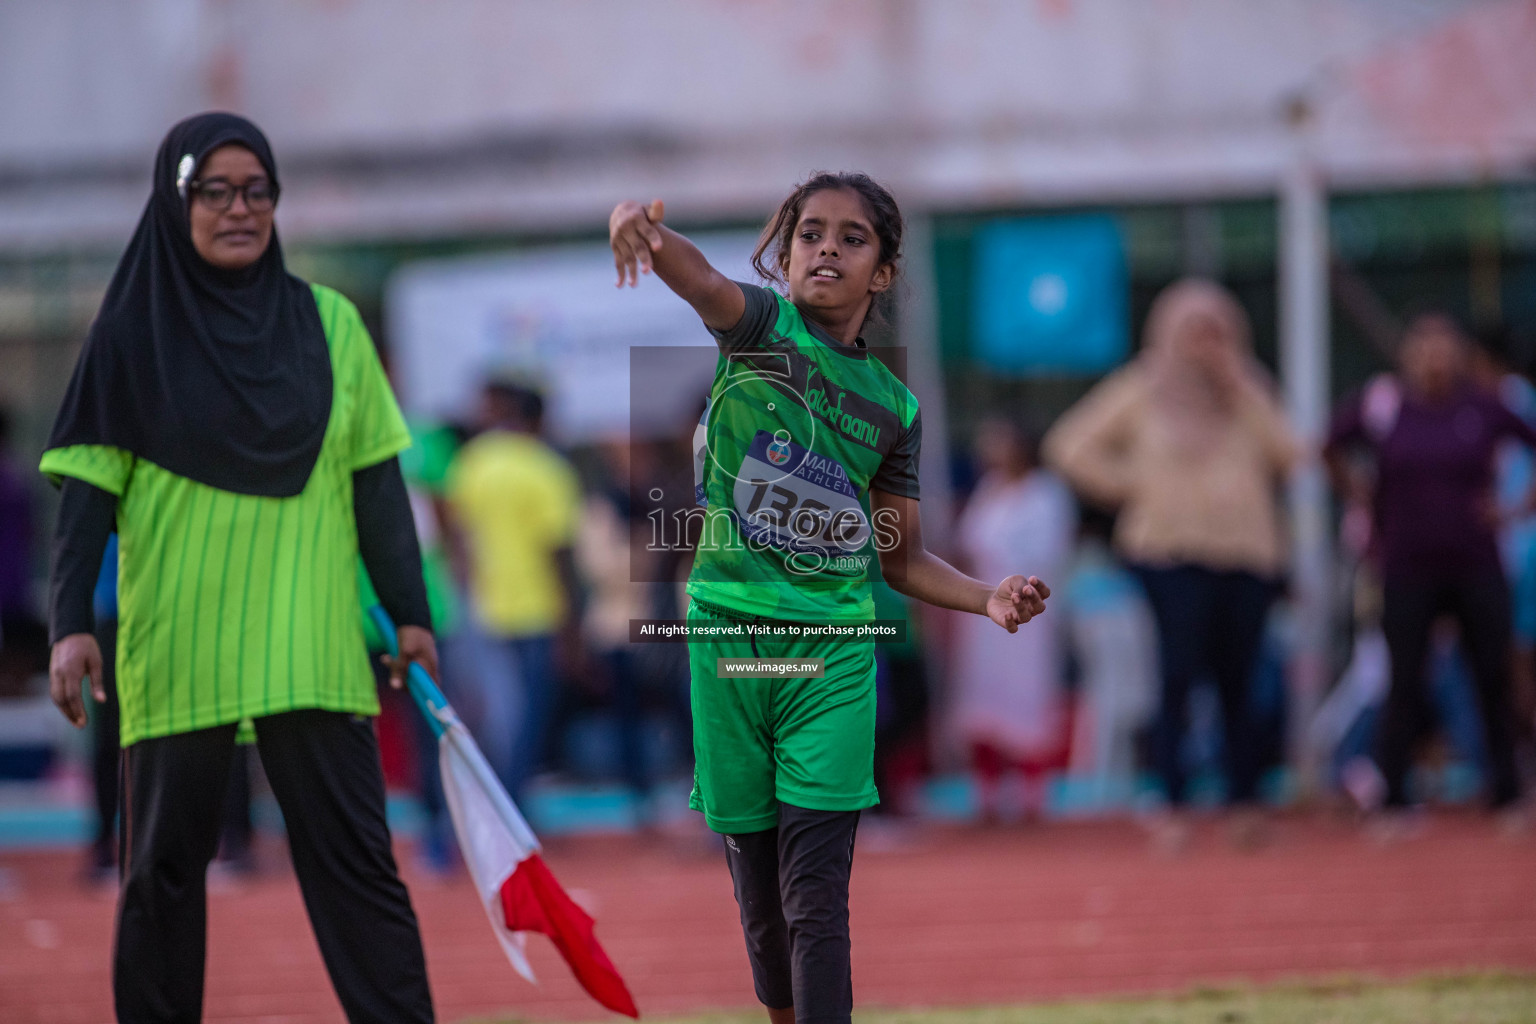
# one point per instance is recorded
(407, 118)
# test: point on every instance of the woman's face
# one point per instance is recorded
(1205, 342)
(1433, 356)
(235, 237)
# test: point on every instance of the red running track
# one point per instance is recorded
(950, 917)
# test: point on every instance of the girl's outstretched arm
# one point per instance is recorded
(917, 573)
(641, 244)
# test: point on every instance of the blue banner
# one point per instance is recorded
(1051, 295)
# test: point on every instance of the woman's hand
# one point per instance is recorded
(416, 644)
(1016, 601)
(632, 234)
(74, 658)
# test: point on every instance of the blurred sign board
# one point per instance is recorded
(1050, 295)
(552, 315)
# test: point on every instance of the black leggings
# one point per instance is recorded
(1480, 606)
(325, 772)
(792, 887)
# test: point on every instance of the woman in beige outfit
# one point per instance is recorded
(1188, 443)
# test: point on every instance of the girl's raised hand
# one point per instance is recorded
(632, 234)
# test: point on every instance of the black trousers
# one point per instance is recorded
(1207, 621)
(792, 887)
(1480, 606)
(324, 770)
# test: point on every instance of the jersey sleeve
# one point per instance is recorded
(99, 465)
(898, 471)
(761, 313)
(377, 428)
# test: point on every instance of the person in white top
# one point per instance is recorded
(1010, 708)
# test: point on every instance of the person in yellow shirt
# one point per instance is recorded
(514, 504)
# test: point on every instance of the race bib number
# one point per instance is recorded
(791, 498)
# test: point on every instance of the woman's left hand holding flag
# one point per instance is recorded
(416, 645)
(501, 852)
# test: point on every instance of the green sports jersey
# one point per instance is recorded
(797, 430)
(232, 605)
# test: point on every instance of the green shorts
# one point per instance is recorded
(807, 742)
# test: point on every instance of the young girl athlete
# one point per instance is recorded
(808, 459)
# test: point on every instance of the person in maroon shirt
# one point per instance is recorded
(1433, 437)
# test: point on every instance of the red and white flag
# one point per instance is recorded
(515, 886)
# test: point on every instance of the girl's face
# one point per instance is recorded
(834, 258)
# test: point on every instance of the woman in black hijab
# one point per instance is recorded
(235, 424)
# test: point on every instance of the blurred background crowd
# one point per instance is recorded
(1221, 315)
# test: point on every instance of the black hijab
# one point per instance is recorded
(220, 376)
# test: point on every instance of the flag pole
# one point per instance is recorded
(446, 725)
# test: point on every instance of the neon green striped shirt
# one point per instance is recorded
(231, 605)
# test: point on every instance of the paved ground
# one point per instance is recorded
(949, 916)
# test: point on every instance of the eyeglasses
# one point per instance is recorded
(217, 194)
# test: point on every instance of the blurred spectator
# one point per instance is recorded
(1494, 359)
(514, 504)
(1188, 442)
(1492, 369)
(425, 467)
(615, 595)
(1343, 727)
(1010, 707)
(23, 638)
(15, 530)
(901, 705)
(104, 721)
(661, 490)
(1434, 437)
(1113, 642)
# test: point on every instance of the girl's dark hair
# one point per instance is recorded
(771, 257)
